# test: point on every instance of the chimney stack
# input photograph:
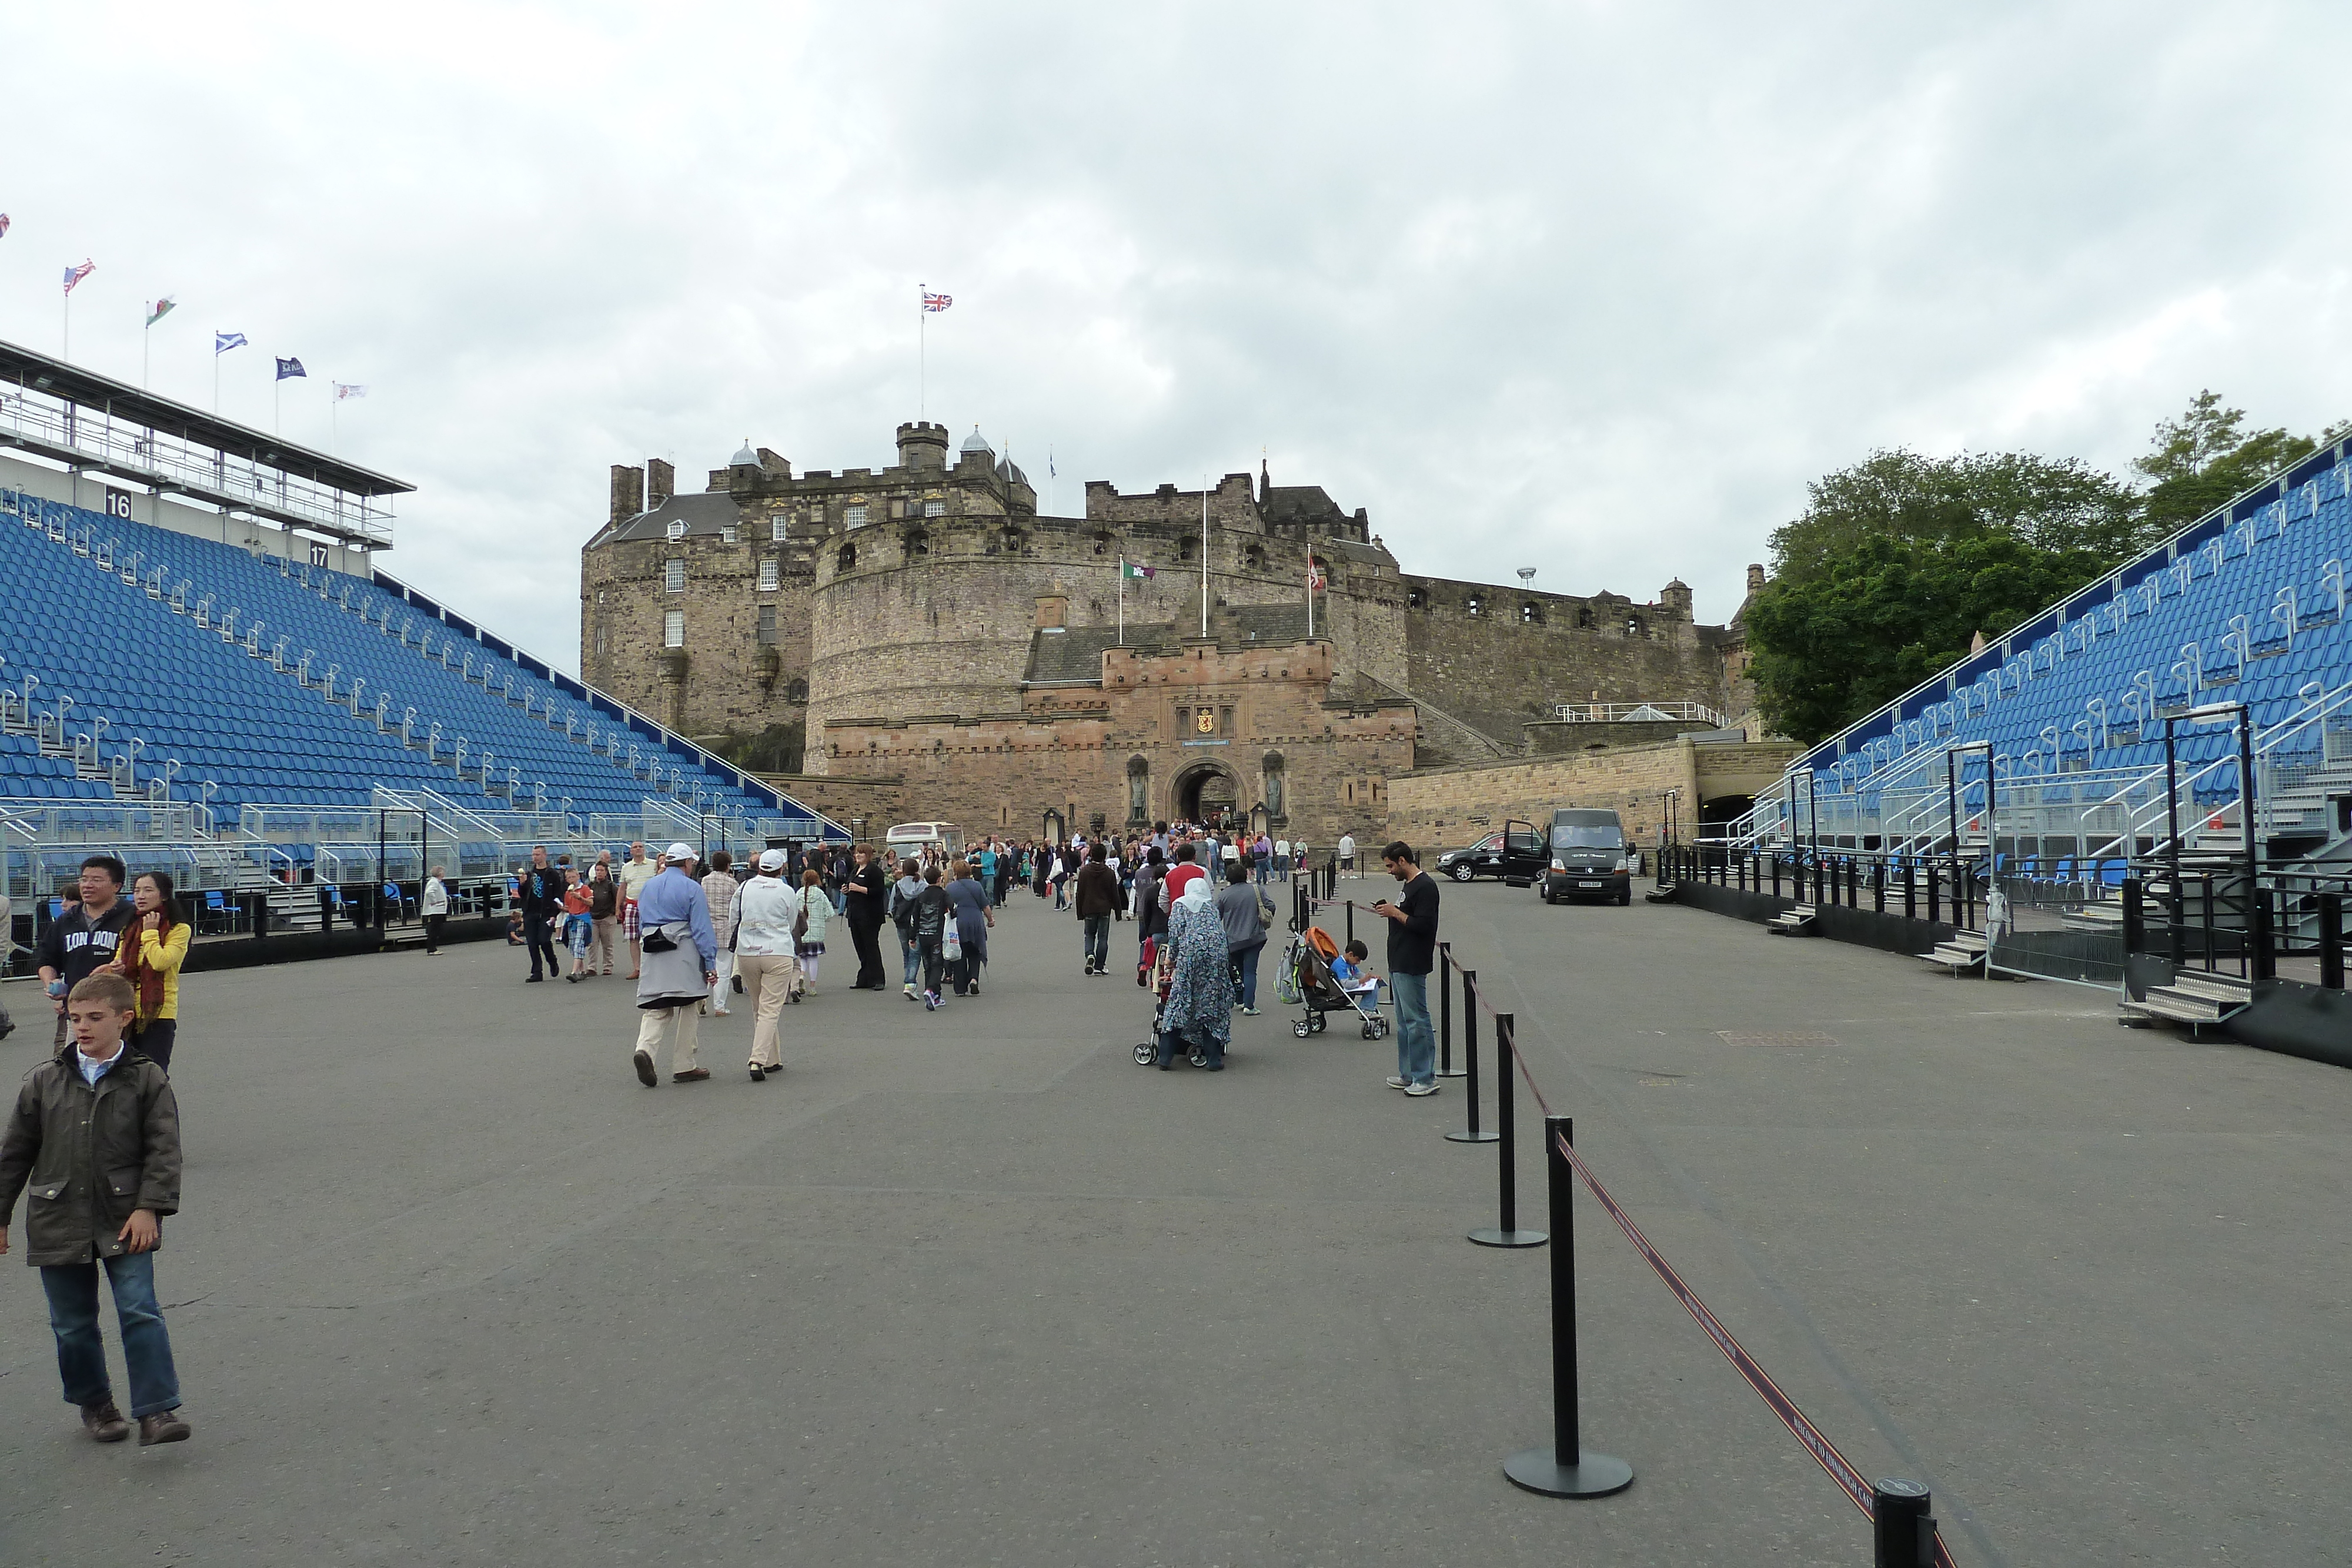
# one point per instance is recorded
(1053, 607)
(628, 492)
(1755, 578)
(661, 483)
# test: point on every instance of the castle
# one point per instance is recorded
(922, 627)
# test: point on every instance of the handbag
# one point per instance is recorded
(658, 939)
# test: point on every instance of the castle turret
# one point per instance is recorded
(743, 469)
(922, 444)
(1675, 599)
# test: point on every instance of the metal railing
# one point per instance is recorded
(1639, 713)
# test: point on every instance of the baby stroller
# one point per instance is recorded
(1159, 963)
(1307, 981)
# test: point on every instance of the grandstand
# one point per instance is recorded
(236, 709)
(2183, 724)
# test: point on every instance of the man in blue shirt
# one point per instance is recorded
(679, 964)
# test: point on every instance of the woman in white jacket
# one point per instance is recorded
(765, 910)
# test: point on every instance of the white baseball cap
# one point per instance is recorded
(678, 853)
(773, 860)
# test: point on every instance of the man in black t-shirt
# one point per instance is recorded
(1412, 953)
(86, 937)
(543, 906)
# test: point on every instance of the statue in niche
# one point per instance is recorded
(1274, 802)
(1138, 785)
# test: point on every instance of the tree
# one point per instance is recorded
(2205, 457)
(2052, 504)
(1885, 615)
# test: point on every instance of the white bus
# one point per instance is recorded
(909, 840)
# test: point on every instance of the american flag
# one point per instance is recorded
(76, 274)
(4, 223)
(936, 302)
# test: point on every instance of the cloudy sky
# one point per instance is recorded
(1592, 288)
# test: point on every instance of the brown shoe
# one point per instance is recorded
(166, 1427)
(104, 1421)
(691, 1075)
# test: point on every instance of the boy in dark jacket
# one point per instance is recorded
(96, 1133)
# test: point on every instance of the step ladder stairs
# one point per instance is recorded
(2196, 998)
(1963, 955)
(1794, 922)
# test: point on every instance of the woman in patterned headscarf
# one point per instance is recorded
(1200, 1005)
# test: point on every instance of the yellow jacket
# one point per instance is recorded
(164, 953)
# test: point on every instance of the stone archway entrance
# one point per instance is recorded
(1205, 792)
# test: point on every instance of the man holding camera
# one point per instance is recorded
(1412, 953)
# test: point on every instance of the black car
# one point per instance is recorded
(1589, 858)
(1515, 854)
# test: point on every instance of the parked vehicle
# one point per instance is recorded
(909, 840)
(1515, 854)
(1589, 857)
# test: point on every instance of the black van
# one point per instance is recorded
(1589, 857)
(1515, 854)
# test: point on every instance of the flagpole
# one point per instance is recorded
(1204, 555)
(1122, 602)
(1310, 593)
(922, 354)
(146, 343)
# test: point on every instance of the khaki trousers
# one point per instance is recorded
(767, 980)
(654, 1022)
(600, 942)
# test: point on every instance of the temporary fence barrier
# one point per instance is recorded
(1904, 1533)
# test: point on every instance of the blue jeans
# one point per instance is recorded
(72, 1289)
(1263, 868)
(1416, 1046)
(1098, 941)
(1244, 961)
(911, 953)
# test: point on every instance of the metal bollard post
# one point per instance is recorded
(1472, 1133)
(2331, 940)
(1776, 873)
(1910, 892)
(1445, 1068)
(1565, 1468)
(1351, 920)
(1901, 1531)
(1506, 1231)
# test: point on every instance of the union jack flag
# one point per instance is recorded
(936, 302)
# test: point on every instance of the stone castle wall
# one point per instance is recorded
(1435, 809)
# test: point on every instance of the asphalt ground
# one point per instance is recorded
(973, 1288)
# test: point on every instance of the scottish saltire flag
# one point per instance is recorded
(936, 302)
(291, 368)
(344, 390)
(224, 341)
(161, 308)
(76, 274)
(1134, 570)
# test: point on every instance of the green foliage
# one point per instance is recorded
(2205, 457)
(2052, 504)
(775, 750)
(1887, 614)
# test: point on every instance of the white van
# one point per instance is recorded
(909, 840)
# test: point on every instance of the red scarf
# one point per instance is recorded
(132, 955)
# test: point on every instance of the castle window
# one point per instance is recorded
(1632, 627)
(768, 575)
(1012, 539)
(674, 575)
(854, 515)
(1256, 557)
(935, 508)
(672, 628)
(599, 641)
(918, 544)
(1189, 549)
(1531, 614)
(1102, 543)
(776, 530)
(677, 527)
(1584, 615)
(767, 624)
(847, 559)
(1477, 604)
(727, 535)
(1415, 600)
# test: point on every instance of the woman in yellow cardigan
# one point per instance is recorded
(154, 945)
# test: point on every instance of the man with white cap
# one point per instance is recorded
(765, 913)
(680, 961)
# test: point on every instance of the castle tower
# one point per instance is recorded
(922, 444)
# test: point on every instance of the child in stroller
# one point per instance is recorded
(1309, 969)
